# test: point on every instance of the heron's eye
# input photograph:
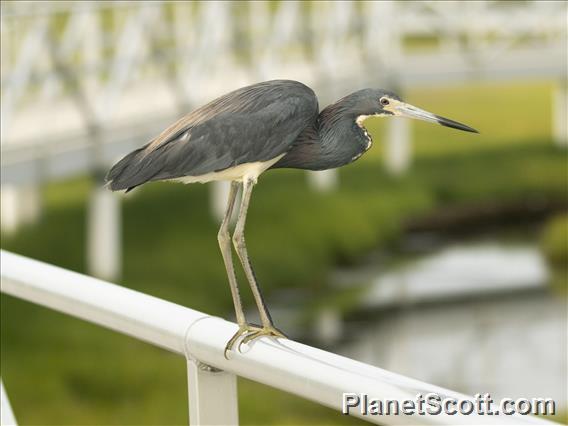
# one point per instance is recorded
(384, 101)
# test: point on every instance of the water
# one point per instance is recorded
(475, 316)
(458, 271)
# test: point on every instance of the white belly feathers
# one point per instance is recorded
(238, 173)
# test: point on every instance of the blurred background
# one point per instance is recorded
(440, 255)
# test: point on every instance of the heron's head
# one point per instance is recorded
(382, 103)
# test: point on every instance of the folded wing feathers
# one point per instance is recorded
(140, 166)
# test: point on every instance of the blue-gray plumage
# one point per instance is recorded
(255, 123)
(274, 124)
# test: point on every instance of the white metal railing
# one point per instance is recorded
(6, 414)
(305, 371)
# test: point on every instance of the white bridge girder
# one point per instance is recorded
(126, 69)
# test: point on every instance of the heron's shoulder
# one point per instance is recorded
(278, 89)
(293, 85)
(301, 95)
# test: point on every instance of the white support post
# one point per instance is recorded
(92, 54)
(184, 39)
(104, 235)
(399, 149)
(9, 217)
(7, 417)
(30, 202)
(212, 395)
(560, 114)
(328, 326)
(19, 205)
(323, 181)
(219, 194)
(259, 25)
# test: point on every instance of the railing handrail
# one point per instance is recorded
(305, 371)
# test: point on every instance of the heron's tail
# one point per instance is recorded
(126, 174)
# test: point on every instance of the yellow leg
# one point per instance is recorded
(246, 331)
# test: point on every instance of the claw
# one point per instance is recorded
(251, 332)
(270, 331)
(243, 330)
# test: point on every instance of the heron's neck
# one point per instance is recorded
(332, 141)
(341, 139)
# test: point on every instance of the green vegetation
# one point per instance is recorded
(555, 240)
(59, 370)
(561, 418)
(554, 244)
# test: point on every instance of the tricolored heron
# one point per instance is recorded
(236, 137)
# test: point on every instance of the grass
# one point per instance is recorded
(60, 370)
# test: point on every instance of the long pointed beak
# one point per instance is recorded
(406, 110)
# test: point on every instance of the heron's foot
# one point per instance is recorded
(269, 331)
(250, 332)
(243, 330)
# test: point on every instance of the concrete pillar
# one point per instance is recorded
(398, 152)
(323, 181)
(560, 114)
(104, 235)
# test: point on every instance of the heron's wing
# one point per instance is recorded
(246, 100)
(264, 127)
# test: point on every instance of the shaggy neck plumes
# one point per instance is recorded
(334, 140)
